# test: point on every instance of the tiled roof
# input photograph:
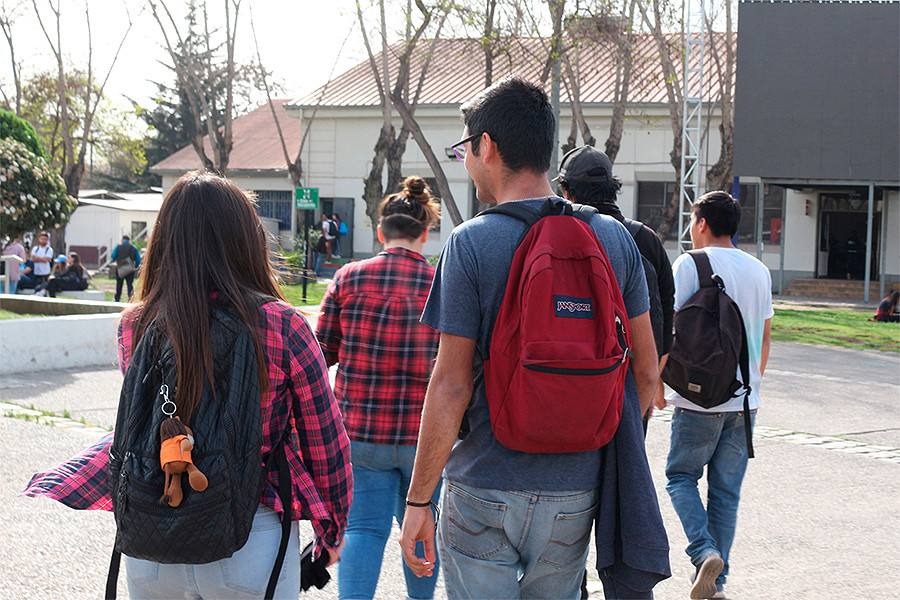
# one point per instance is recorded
(256, 144)
(456, 73)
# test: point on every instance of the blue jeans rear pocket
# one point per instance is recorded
(570, 537)
(474, 526)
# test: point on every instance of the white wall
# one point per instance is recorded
(92, 226)
(77, 341)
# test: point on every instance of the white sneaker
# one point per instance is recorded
(41, 293)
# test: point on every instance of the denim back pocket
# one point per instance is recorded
(474, 526)
(570, 538)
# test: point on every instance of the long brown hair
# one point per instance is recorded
(208, 240)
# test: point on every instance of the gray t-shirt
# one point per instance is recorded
(465, 298)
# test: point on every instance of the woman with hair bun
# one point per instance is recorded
(370, 327)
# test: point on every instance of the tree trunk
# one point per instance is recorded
(433, 162)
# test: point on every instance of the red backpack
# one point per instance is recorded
(559, 352)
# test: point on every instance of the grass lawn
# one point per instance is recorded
(5, 314)
(835, 327)
(314, 293)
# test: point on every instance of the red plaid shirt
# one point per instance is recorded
(318, 452)
(370, 325)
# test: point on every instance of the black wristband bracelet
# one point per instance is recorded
(418, 504)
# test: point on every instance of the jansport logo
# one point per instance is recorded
(574, 308)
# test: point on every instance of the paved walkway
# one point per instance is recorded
(818, 517)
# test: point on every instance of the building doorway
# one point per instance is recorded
(842, 237)
(343, 207)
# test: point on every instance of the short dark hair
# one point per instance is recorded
(126, 238)
(721, 211)
(518, 117)
(592, 192)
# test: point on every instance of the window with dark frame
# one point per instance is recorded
(275, 204)
(652, 199)
(773, 202)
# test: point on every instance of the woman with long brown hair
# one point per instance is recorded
(370, 326)
(208, 248)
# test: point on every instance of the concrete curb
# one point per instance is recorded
(38, 344)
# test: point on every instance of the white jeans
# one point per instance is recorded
(244, 575)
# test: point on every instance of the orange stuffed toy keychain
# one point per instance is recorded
(175, 455)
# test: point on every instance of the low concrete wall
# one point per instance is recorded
(38, 344)
(25, 304)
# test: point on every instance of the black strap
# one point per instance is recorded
(287, 515)
(744, 362)
(112, 577)
(704, 269)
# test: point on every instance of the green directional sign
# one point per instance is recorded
(306, 198)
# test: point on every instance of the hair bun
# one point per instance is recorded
(415, 188)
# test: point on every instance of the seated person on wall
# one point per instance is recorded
(26, 275)
(74, 278)
(60, 264)
(887, 309)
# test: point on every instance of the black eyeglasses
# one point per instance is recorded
(459, 148)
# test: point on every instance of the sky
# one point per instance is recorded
(300, 41)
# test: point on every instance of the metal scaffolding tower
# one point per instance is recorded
(694, 41)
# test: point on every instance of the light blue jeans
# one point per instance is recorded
(718, 442)
(13, 287)
(244, 575)
(381, 475)
(514, 544)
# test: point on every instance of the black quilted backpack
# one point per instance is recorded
(227, 430)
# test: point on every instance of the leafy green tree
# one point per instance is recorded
(32, 195)
(114, 154)
(20, 130)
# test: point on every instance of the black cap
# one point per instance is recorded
(585, 164)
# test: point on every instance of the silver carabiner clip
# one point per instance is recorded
(168, 407)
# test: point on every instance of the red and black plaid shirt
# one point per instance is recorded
(318, 452)
(370, 326)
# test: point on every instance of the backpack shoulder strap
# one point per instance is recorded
(516, 210)
(634, 227)
(704, 269)
(584, 212)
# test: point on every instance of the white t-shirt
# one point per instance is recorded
(326, 226)
(42, 268)
(749, 283)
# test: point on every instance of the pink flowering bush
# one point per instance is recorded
(32, 195)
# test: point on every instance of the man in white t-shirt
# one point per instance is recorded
(716, 437)
(42, 255)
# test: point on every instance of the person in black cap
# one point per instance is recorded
(585, 177)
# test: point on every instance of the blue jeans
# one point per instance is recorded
(381, 475)
(13, 286)
(244, 575)
(717, 441)
(514, 544)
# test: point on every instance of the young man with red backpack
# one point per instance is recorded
(546, 358)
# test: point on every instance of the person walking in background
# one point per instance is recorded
(518, 524)
(42, 255)
(715, 439)
(13, 247)
(585, 176)
(128, 260)
(370, 327)
(73, 278)
(208, 253)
